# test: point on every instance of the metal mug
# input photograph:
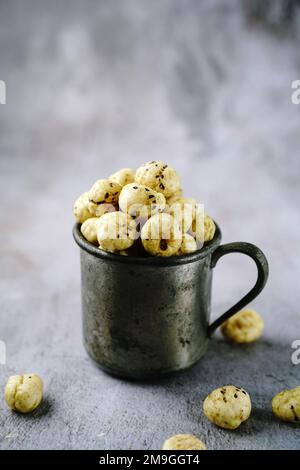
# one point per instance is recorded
(144, 317)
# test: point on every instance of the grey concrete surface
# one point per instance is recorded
(96, 85)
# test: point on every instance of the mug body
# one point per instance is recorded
(145, 317)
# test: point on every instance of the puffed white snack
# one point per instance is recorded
(80, 208)
(97, 210)
(89, 229)
(141, 201)
(188, 244)
(203, 226)
(227, 406)
(286, 405)
(245, 326)
(116, 231)
(24, 393)
(175, 197)
(184, 210)
(104, 191)
(158, 176)
(123, 253)
(123, 176)
(183, 442)
(209, 228)
(161, 235)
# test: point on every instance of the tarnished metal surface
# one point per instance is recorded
(141, 321)
(147, 317)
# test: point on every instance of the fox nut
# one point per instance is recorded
(104, 191)
(209, 228)
(97, 210)
(158, 176)
(175, 197)
(183, 210)
(161, 235)
(183, 442)
(203, 226)
(188, 244)
(89, 229)
(116, 231)
(286, 405)
(123, 177)
(24, 393)
(245, 326)
(227, 406)
(139, 200)
(80, 208)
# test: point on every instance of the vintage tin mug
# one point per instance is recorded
(144, 317)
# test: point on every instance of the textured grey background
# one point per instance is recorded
(96, 85)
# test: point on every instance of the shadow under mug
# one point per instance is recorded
(144, 317)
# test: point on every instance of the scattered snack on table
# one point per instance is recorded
(123, 177)
(154, 189)
(183, 442)
(227, 406)
(161, 235)
(286, 405)
(116, 231)
(24, 393)
(141, 201)
(158, 176)
(245, 326)
(89, 229)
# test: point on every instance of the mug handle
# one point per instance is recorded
(263, 271)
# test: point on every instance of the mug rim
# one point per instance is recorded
(207, 249)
